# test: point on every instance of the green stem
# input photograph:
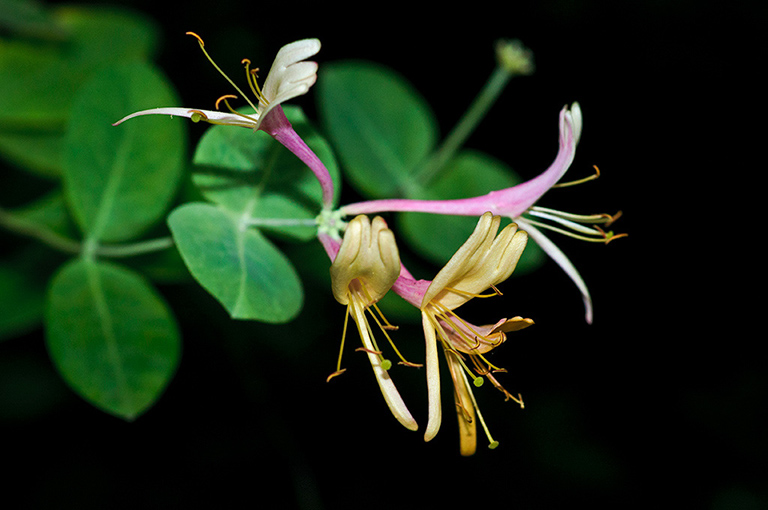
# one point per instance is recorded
(28, 228)
(34, 230)
(466, 125)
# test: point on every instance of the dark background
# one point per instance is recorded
(659, 404)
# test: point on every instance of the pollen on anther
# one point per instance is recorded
(224, 98)
(199, 39)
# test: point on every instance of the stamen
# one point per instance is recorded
(467, 416)
(339, 370)
(369, 351)
(579, 181)
(224, 98)
(202, 47)
(492, 443)
(384, 327)
(472, 295)
(250, 75)
(598, 235)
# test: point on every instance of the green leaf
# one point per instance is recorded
(111, 336)
(251, 174)
(23, 278)
(119, 180)
(243, 270)
(38, 82)
(380, 126)
(437, 237)
(36, 151)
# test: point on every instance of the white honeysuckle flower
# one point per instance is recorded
(290, 76)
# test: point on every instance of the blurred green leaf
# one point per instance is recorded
(251, 173)
(37, 151)
(379, 124)
(240, 267)
(50, 212)
(38, 81)
(437, 237)
(30, 18)
(111, 336)
(119, 180)
(23, 281)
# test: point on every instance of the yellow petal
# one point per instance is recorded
(368, 253)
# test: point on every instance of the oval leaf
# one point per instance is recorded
(120, 179)
(240, 267)
(111, 336)
(377, 122)
(251, 173)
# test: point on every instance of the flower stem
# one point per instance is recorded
(28, 228)
(466, 125)
(513, 59)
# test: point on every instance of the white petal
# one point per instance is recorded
(388, 390)
(211, 115)
(434, 404)
(289, 76)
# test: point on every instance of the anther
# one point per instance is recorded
(579, 181)
(338, 372)
(224, 98)
(369, 351)
(199, 39)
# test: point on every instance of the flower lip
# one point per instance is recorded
(483, 261)
(369, 254)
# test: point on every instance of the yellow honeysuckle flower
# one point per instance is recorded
(482, 262)
(363, 271)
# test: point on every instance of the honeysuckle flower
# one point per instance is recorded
(482, 262)
(290, 76)
(518, 203)
(363, 271)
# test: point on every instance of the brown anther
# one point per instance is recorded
(613, 218)
(410, 364)
(609, 236)
(338, 372)
(254, 71)
(467, 416)
(199, 39)
(245, 61)
(369, 351)
(597, 171)
(390, 327)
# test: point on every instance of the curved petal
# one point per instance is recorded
(206, 115)
(433, 379)
(516, 200)
(289, 76)
(565, 264)
(511, 202)
(465, 408)
(388, 390)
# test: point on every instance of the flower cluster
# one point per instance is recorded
(365, 261)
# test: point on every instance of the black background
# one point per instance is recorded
(658, 404)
